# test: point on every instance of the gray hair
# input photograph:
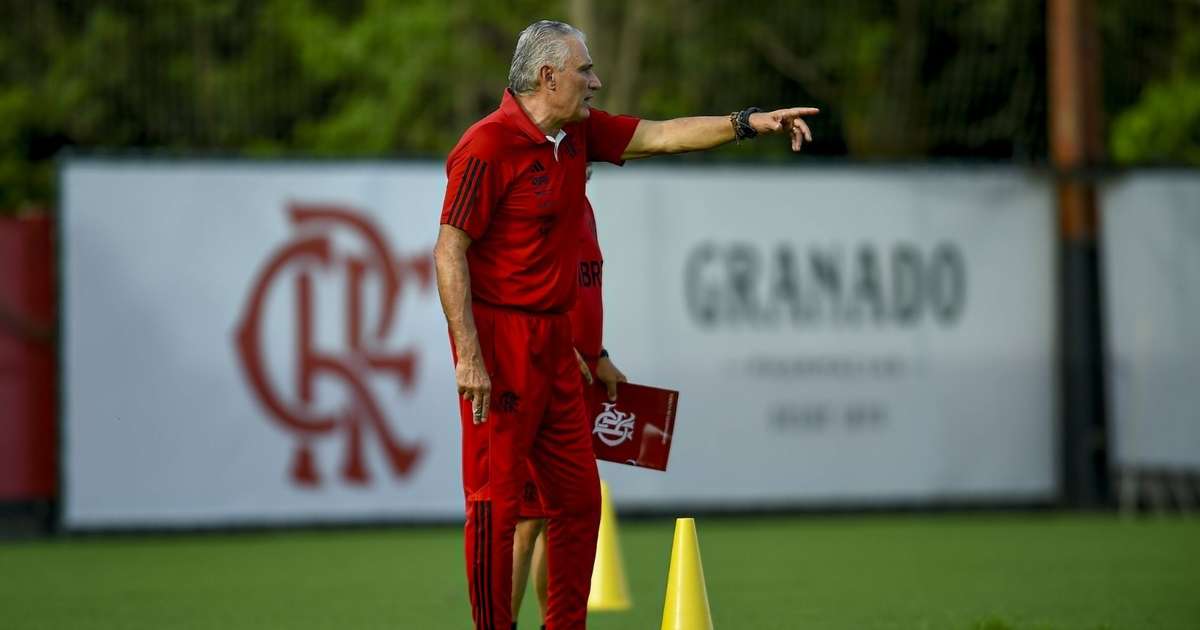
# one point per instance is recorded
(542, 43)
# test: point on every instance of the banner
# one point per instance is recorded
(1151, 270)
(254, 342)
(262, 342)
(837, 335)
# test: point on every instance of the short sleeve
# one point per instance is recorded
(471, 192)
(608, 136)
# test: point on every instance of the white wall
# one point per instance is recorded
(1151, 267)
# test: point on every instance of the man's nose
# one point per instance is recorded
(595, 83)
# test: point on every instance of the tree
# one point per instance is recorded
(1154, 85)
(907, 79)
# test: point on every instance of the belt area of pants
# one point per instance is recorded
(500, 308)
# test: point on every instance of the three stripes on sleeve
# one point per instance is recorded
(468, 190)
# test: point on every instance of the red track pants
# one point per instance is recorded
(536, 423)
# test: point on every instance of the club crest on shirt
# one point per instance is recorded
(613, 426)
(508, 402)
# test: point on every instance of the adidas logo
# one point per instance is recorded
(537, 166)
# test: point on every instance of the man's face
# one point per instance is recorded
(576, 83)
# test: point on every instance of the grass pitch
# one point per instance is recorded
(968, 572)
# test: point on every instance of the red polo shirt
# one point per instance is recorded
(520, 199)
(587, 317)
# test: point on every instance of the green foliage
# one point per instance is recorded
(895, 78)
(1163, 127)
(1152, 81)
(255, 77)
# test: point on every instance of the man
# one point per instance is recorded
(505, 259)
(587, 333)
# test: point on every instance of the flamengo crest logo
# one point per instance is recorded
(333, 246)
(613, 426)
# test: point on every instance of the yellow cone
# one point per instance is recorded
(686, 606)
(610, 592)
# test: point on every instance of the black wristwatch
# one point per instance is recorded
(742, 129)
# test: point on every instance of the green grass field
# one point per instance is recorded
(982, 572)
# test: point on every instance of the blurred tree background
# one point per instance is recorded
(896, 79)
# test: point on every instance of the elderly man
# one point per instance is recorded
(506, 259)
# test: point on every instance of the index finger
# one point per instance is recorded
(802, 111)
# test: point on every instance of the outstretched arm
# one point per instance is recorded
(454, 287)
(699, 133)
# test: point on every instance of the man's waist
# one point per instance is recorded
(549, 313)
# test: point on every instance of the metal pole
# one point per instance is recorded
(1076, 146)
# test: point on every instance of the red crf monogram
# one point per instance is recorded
(313, 252)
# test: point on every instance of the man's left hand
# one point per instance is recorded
(610, 376)
(789, 121)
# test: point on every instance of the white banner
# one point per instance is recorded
(837, 335)
(252, 342)
(1151, 244)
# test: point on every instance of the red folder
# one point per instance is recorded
(636, 429)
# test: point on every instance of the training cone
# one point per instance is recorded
(686, 606)
(610, 591)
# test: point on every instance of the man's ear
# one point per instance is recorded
(548, 79)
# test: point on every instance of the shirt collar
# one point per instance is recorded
(518, 118)
(556, 140)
